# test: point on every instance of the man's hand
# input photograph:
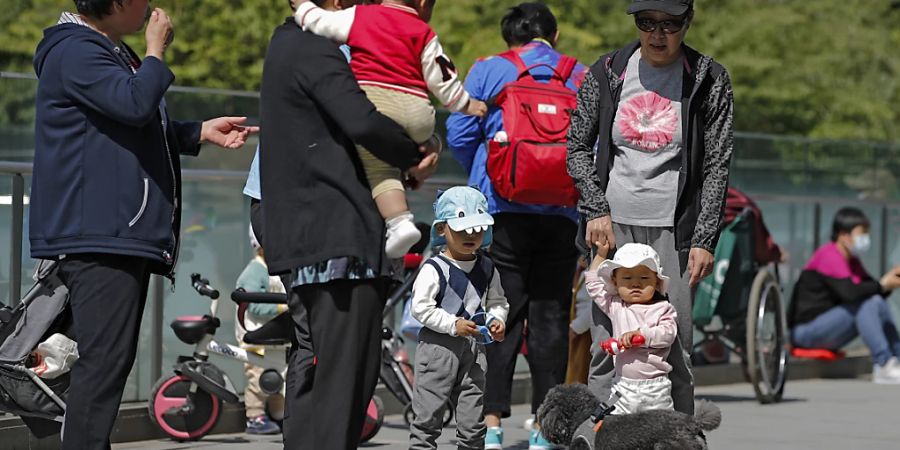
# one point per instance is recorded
(159, 33)
(226, 132)
(498, 330)
(599, 232)
(466, 328)
(431, 150)
(700, 264)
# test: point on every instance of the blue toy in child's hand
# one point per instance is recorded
(483, 322)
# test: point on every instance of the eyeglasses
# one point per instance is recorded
(670, 26)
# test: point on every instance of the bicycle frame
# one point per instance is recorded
(274, 358)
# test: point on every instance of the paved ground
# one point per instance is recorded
(815, 414)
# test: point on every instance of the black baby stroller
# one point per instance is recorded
(41, 313)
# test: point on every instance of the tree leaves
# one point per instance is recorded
(825, 68)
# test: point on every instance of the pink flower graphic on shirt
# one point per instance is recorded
(648, 121)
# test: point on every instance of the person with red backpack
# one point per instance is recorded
(516, 156)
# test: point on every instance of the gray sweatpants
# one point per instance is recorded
(674, 265)
(448, 368)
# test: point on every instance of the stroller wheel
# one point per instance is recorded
(183, 415)
(374, 419)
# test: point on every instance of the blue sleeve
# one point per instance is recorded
(95, 78)
(255, 278)
(465, 133)
(263, 310)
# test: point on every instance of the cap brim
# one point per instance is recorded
(439, 241)
(464, 223)
(666, 7)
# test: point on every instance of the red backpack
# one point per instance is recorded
(531, 166)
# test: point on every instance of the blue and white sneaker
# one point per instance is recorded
(537, 442)
(262, 425)
(494, 439)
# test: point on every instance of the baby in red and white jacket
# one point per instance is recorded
(397, 59)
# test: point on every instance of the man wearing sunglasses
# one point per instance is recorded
(663, 115)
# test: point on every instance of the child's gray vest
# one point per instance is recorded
(462, 294)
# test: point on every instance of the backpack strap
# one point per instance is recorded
(513, 57)
(565, 67)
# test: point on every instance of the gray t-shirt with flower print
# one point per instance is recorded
(647, 138)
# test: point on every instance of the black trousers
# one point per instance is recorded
(536, 257)
(326, 402)
(107, 294)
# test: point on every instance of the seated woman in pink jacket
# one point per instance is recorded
(631, 290)
(835, 299)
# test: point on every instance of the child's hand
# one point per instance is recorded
(626, 339)
(498, 330)
(476, 108)
(602, 250)
(466, 328)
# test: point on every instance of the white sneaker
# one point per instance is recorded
(402, 234)
(889, 373)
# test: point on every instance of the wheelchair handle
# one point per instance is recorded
(201, 285)
(270, 298)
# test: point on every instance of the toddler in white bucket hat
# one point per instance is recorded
(630, 289)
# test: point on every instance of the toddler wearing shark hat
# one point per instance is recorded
(458, 298)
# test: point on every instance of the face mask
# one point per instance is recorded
(861, 244)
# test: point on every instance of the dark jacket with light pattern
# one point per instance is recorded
(707, 118)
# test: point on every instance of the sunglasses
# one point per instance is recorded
(668, 26)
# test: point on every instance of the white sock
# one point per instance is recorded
(402, 234)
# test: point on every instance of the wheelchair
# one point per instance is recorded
(741, 305)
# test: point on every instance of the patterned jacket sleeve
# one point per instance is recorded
(718, 139)
(581, 140)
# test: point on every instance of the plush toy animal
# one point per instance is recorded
(570, 416)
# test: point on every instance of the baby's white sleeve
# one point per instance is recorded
(441, 78)
(598, 290)
(334, 25)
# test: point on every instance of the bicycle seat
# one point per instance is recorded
(191, 329)
(274, 332)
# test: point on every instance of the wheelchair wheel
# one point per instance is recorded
(767, 347)
(181, 414)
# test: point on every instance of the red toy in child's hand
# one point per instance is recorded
(613, 347)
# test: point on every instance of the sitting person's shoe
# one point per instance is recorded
(889, 373)
(537, 441)
(262, 425)
(493, 440)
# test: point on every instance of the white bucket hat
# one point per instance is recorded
(630, 256)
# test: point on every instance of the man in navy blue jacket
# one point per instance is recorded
(105, 195)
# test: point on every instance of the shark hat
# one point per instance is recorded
(631, 256)
(464, 208)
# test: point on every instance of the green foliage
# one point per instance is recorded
(824, 68)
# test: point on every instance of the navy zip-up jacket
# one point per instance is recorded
(107, 178)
